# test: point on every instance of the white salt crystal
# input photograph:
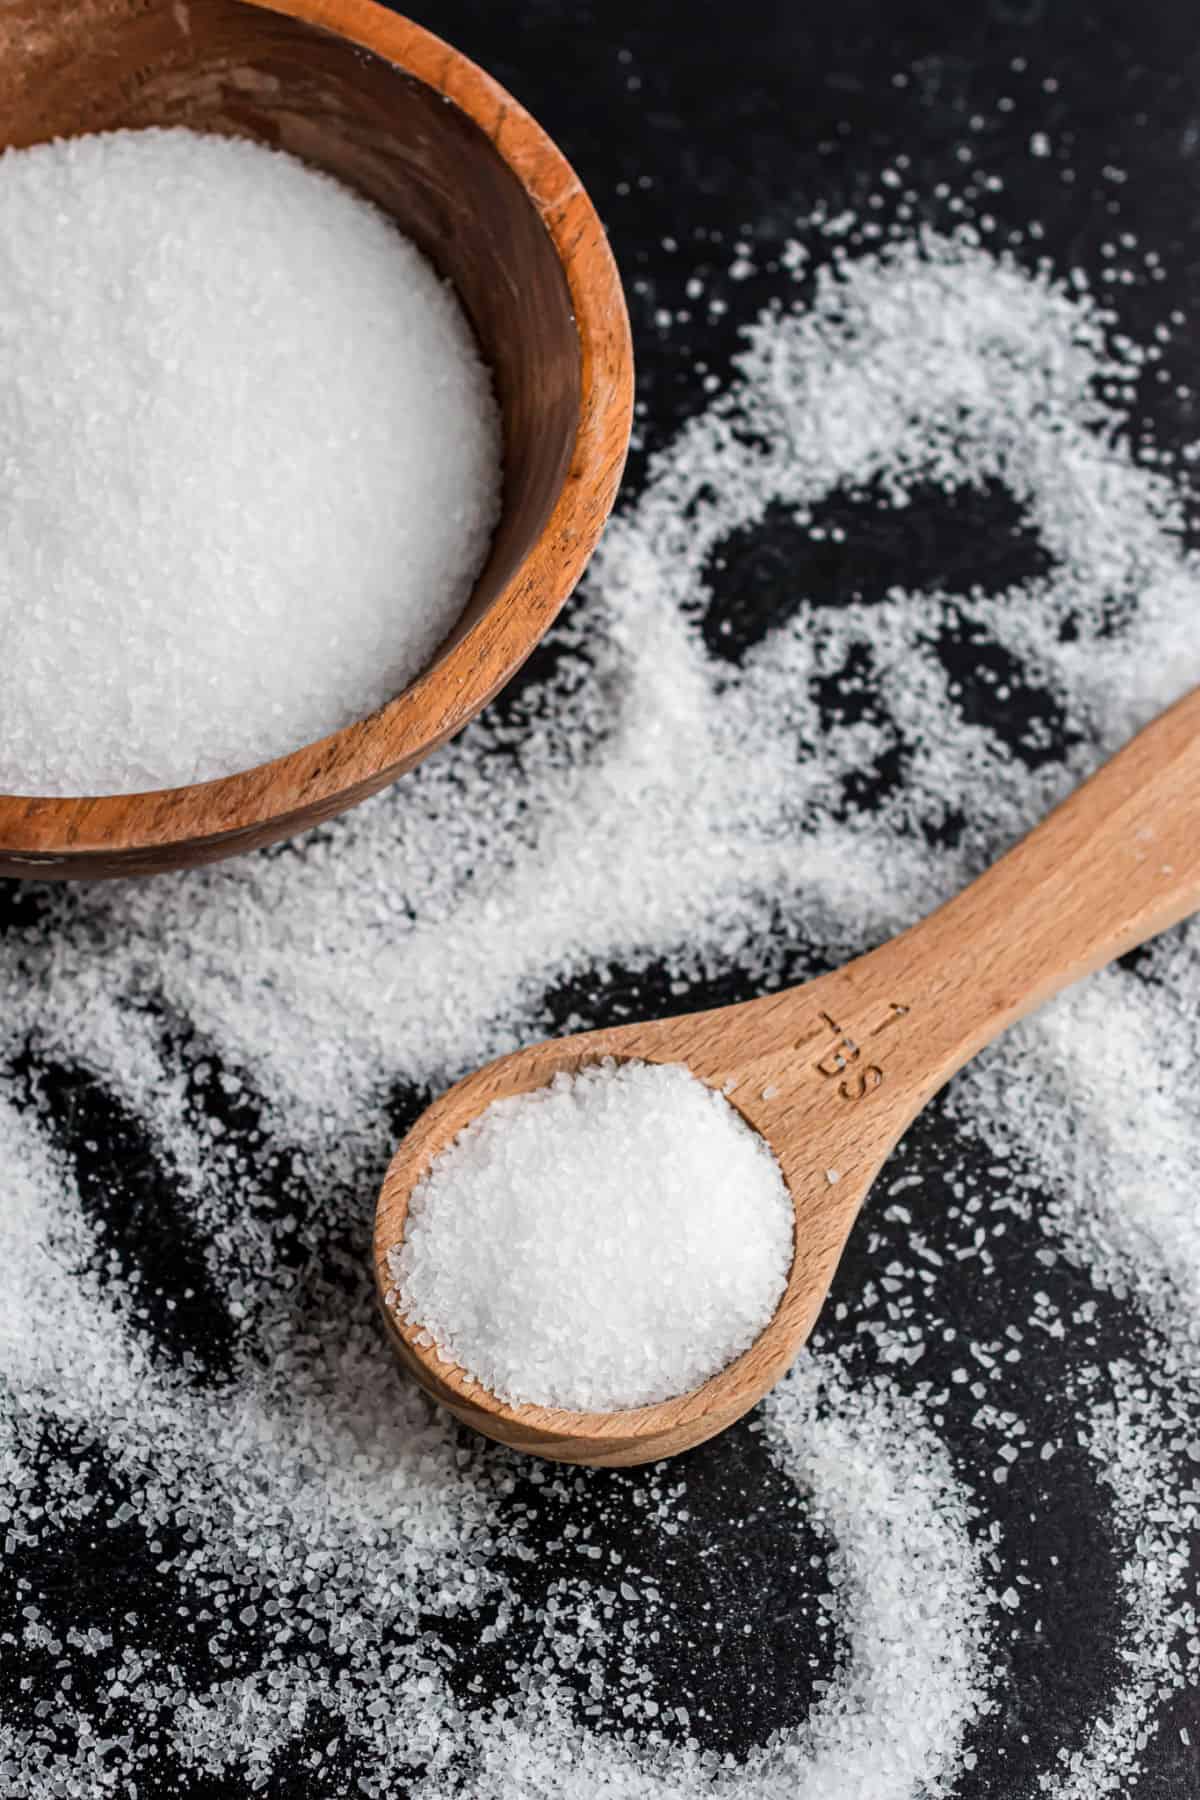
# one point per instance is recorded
(250, 460)
(612, 1239)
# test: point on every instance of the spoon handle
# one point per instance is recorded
(1117, 862)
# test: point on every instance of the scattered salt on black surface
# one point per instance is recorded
(647, 803)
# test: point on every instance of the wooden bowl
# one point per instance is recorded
(469, 176)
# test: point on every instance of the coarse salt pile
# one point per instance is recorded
(249, 460)
(610, 1240)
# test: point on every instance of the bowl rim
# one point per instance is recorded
(158, 827)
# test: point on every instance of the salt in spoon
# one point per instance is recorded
(832, 1072)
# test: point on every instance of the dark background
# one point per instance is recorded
(695, 127)
(689, 121)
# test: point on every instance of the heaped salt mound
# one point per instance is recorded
(249, 460)
(612, 1239)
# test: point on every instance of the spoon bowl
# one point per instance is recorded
(748, 1051)
(831, 1073)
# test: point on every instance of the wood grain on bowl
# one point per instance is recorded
(473, 180)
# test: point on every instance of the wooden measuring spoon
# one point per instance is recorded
(833, 1072)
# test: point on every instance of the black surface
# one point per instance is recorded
(702, 125)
